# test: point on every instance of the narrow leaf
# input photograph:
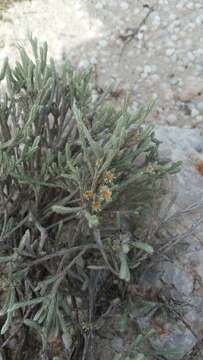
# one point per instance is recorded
(65, 210)
(124, 269)
(27, 303)
(143, 246)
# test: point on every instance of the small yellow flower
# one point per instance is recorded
(96, 206)
(105, 193)
(108, 177)
(150, 168)
(88, 195)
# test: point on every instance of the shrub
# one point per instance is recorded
(66, 163)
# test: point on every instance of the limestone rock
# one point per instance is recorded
(192, 89)
(177, 281)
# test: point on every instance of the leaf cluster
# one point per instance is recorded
(65, 162)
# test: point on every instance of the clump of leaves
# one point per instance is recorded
(65, 163)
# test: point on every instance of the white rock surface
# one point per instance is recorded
(175, 278)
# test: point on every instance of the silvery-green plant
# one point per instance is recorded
(65, 163)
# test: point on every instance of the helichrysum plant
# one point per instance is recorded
(65, 163)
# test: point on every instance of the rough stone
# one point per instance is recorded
(200, 107)
(117, 344)
(179, 279)
(176, 344)
(156, 21)
(176, 276)
(194, 112)
(172, 119)
(170, 52)
(193, 88)
(147, 69)
(124, 5)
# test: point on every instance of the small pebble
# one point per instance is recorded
(124, 6)
(174, 58)
(156, 22)
(172, 119)
(179, 5)
(199, 118)
(190, 56)
(136, 11)
(99, 5)
(155, 78)
(147, 69)
(173, 81)
(194, 112)
(103, 43)
(83, 64)
(140, 36)
(190, 6)
(170, 52)
(200, 107)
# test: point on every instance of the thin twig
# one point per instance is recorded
(132, 32)
(61, 253)
(65, 271)
(176, 239)
(178, 315)
(189, 210)
(97, 238)
(22, 222)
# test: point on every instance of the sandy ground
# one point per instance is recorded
(153, 49)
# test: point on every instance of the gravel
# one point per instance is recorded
(163, 59)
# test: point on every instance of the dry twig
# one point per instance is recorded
(130, 33)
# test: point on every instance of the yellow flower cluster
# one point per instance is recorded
(149, 168)
(108, 177)
(104, 193)
(96, 206)
(88, 195)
